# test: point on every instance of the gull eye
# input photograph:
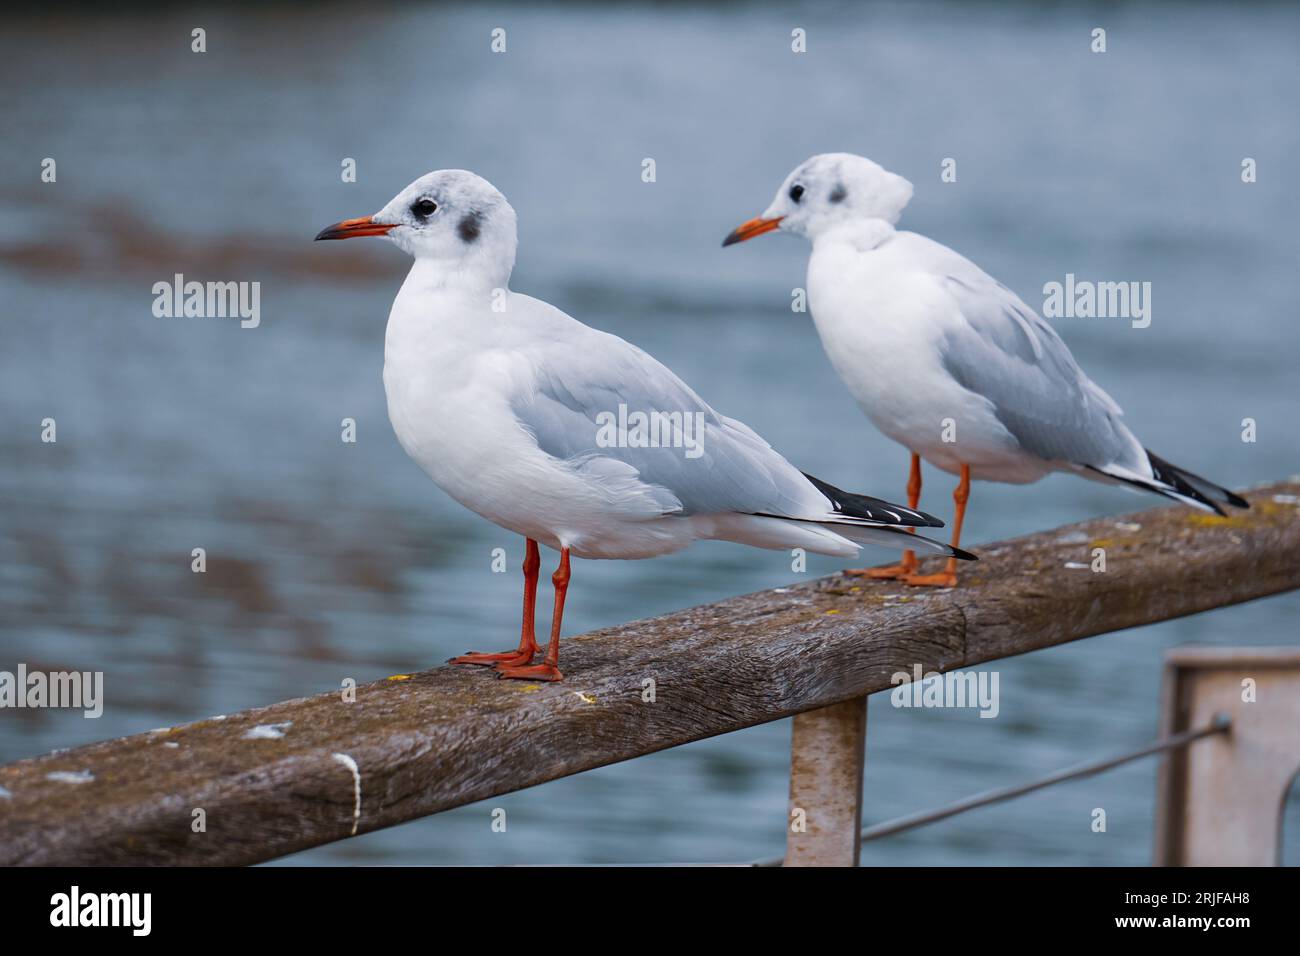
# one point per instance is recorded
(796, 192)
(424, 208)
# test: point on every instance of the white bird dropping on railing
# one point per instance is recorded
(570, 436)
(350, 762)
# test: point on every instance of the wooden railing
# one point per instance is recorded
(297, 774)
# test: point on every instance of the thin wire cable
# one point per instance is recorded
(1221, 724)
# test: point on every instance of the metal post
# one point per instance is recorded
(827, 755)
(1220, 803)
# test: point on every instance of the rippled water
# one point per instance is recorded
(330, 560)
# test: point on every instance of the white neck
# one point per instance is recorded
(861, 234)
(472, 275)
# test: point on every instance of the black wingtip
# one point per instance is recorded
(1194, 486)
(961, 555)
(873, 509)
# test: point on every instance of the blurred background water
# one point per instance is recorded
(329, 560)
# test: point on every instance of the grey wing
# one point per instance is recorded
(1005, 352)
(717, 465)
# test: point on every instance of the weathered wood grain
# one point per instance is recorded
(450, 736)
(828, 748)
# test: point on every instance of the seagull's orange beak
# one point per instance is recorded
(351, 228)
(748, 230)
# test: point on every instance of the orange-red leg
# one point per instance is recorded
(908, 564)
(947, 578)
(528, 636)
(549, 668)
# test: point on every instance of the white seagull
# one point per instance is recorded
(570, 436)
(946, 360)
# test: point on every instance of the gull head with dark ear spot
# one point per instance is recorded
(830, 189)
(452, 215)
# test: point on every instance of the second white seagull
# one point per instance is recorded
(946, 360)
(570, 436)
